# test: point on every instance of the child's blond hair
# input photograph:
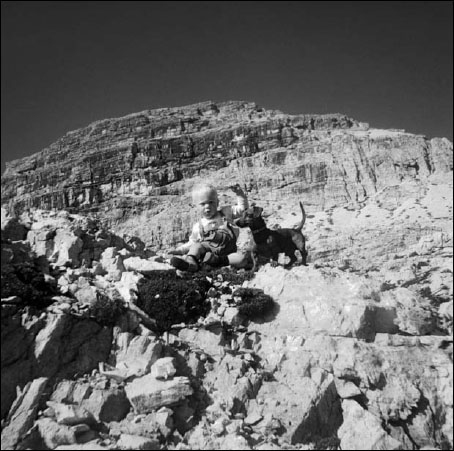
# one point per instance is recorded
(204, 189)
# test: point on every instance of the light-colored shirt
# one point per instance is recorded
(225, 215)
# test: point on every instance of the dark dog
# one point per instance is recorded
(270, 243)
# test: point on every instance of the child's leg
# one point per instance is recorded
(218, 256)
(197, 251)
(190, 261)
(238, 259)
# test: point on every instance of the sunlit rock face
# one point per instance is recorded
(356, 352)
(136, 172)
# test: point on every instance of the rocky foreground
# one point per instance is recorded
(104, 347)
(342, 358)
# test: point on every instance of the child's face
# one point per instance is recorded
(207, 204)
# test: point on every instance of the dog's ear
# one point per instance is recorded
(257, 212)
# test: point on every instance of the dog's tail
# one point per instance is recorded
(301, 224)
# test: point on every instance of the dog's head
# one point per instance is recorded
(252, 217)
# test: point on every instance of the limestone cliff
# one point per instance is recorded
(136, 172)
(356, 353)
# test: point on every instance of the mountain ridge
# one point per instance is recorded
(356, 351)
(127, 170)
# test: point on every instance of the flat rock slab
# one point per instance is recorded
(144, 266)
(23, 412)
(331, 303)
(148, 393)
(128, 441)
(89, 446)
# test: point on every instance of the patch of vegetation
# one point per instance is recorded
(172, 300)
(27, 282)
(254, 302)
(106, 310)
(385, 286)
(234, 277)
(327, 443)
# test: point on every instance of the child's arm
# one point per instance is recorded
(242, 202)
(193, 238)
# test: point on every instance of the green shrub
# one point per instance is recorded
(172, 300)
(254, 302)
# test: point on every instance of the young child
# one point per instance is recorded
(213, 237)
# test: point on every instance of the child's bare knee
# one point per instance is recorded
(238, 259)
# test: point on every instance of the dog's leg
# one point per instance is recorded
(254, 261)
(273, 249)
(300, 242)
(293, 259)
(300, 251)
(303, 251)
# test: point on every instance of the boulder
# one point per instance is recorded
(112, 263)
(234, 441)
(147, 393)
(127, 286)
(128, 441)
(67, 248)
(312, 301)
(362, 430)
(145, 425)
(144, 266)
(211, 341)
(23, 412)
(107, 404)
(136, 354)
(71, 392)
(70, 414)
(93, 445)
(54, 434)
(163, 368)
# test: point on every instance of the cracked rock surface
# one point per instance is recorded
(104, 346)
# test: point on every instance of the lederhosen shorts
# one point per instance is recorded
(221, 241)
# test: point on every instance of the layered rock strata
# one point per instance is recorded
(141, 154)
(356, 354)
(136, 172)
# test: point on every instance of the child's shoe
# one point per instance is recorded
(185, 263)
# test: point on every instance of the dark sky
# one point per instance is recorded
(66, 64)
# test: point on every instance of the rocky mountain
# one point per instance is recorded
(132, 170)
(135, 173)
(104, 347)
